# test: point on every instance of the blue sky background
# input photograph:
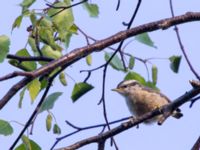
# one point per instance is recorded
(173, 134)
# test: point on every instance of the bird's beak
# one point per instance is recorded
(117, 90)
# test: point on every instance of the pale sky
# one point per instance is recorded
(173, 134)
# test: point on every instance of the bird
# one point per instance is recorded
(141, 99)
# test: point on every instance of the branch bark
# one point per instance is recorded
(127, 125)
(79, 53)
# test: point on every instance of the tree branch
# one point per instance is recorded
(79, 53)
(127, 125)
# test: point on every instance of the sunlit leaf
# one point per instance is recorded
(4, 47)
(34, 89)
(27, 3)
(31, 42)
(5, 128)
(56, 129)
(80, 89)
(63, 78)
(135, 76)
(49, 52)
(27, 66)
(92, 9)
(116, 63)
(17, 22)
(33, 18)
(154, 71)
(89, 59)
(145, 39)
(131, 62)
(49, 101)
(21, 96)
(28, 144)
(47, 37)
(175, 63)
(63, 20)
(48, 122)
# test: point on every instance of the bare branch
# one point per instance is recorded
(127, 125)
(196, 145)
(79, 53)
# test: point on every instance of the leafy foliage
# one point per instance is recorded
(131, 62)
(92, 9)
(56, 129)
(116, 63)
(154, 71)
(48, 122)
(145, 39)
(89, 59)
(49, 101)
(4, 47)
(62, 78)
(28, 144)
(17, 22)
(80, 89)
(5, 128)
(175, 63)
(34, 89)
(135, 76)
(26, 66)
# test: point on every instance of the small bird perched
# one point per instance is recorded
(141, 99)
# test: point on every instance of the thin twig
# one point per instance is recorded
(64, 7)
(127, 125)
(32, 116)
(181, 45)
(79, 129)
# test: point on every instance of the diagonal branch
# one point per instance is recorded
(79, 53)
(127, 125)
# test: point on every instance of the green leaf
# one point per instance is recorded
(135, 76)
(4, 47)
(21, 97)
(49, 101)
(17, 22)
(56, 129)
(28, 144)
(5, 128)
(80, 89)
(154, 71)
(151, 85)
(27, 3)
(92, 9)
(116, 63)
(34, 89)
(62, 78)
(145, 39)
(89, 59)
(48, 122)
(63, 20)
(46, 35)
(175, 63)
(131, 62)
(49, 52)
(26, 66)
(31, 42)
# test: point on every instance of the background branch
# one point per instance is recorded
(79, 53)
(127, 125)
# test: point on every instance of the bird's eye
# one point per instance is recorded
(124, 86)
